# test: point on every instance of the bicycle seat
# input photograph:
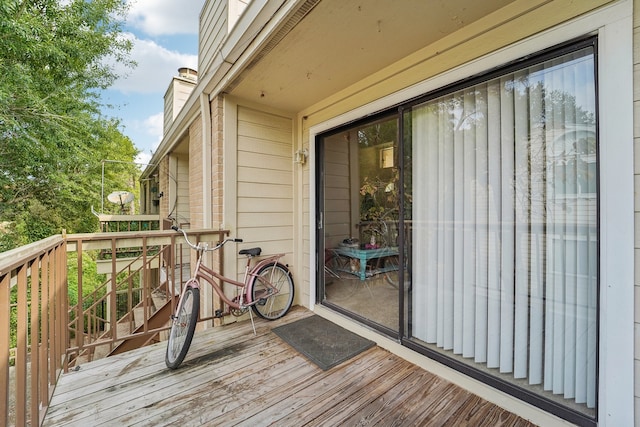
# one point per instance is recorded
(251, 252)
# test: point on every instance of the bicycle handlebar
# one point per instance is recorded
(204, 246)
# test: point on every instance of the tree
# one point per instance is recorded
(54, 62)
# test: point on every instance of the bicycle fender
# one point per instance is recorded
(273, 259)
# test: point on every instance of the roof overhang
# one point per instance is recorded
(292, 54)
(340, 42)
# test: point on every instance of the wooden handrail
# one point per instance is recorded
(36, 275)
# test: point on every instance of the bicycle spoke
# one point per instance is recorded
(273, 292)
(182, 328)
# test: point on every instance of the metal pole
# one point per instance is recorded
(102, 190)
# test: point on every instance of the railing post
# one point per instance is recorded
(35, 340)
(5, 319)
(49, 315)
(62, 308)
(79, 310)
(38, 274)
(113, 312)
(21, 354)
(44, 328)
(145, 286)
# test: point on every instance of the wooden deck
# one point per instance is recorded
(231, 377)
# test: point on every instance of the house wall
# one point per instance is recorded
(168, 109)
(213, 30)
(174, 98)
(400, 81)
(163, 187)
(179, 208)
(236, 7)
(337, 198)
(254, 148)
(217, 162)
(259, 161)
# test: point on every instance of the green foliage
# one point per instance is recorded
(52, 136)
(91, 280)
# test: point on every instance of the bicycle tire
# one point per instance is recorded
(392, 276)
(183, 326)
(277, 305)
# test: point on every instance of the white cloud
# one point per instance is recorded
(160, 17)
(156, 65)
(154, 127)
(143, 159)
(151, 129)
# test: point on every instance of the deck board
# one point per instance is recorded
(231, 377)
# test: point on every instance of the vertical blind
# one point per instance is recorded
(505, 225)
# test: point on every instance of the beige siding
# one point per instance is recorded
(236, 7)
(180, 198)
(264, 211)
(163, 183)
(181, 91)
(338, 222)
(168, 109)
(213, 30)
(175, 98)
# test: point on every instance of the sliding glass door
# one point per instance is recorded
(361, 213)
(466, 223)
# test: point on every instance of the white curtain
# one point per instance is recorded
(505, 225)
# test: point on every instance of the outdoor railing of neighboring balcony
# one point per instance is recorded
(67, 300)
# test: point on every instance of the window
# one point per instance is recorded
(505, 226)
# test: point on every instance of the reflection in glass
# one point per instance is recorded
(361, 216)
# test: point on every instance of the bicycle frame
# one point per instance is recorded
(250, 275)
(252, 296)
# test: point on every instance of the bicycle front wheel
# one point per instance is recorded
(183, 326)
(270, 304)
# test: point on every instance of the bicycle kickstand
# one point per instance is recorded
(253, 325)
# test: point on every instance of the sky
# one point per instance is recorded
(165, 38)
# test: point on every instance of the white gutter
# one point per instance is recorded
(205, 111)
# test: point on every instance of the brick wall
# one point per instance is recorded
(196, 207)
(217, 157)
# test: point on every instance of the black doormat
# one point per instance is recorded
(323, 342)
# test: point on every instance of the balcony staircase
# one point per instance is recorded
(131, 326)
(158, 319)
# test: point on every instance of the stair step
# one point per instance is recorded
(101, 351)
(124, 328)
(138, 316)
(159, 299)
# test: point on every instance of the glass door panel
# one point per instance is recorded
(361, 221)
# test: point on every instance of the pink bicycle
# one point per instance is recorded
(267, 289)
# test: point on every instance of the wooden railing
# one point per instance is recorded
(34, 278)
(43, 334)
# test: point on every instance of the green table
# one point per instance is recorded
(364, 255)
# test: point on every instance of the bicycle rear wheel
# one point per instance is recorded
(392, 273)
(183, 326)
(272, 305)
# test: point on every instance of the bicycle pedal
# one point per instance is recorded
(218, 314)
